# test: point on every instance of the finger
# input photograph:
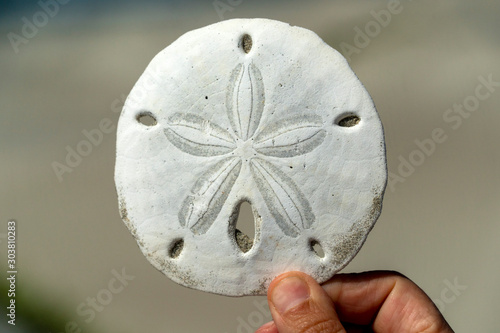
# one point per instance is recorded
(388, 301)
(298, 304)
(270, 327)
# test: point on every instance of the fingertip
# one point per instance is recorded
(289, 292)
(298, 304)
(285, 275)
(269, 327)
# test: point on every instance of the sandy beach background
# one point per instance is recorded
(432, 69)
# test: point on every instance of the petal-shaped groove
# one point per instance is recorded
(283, 198)
(200, 209)
(245, 100)
(197, 136)
(291, 137)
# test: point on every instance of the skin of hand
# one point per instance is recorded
(364, 302)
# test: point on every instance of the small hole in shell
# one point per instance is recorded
(317, 248)
(176, 248)
(146, 118)
(245, 227)
(246, 43)
(349, 121)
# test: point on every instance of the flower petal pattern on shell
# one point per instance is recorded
(245, 100)
(200, 209)
(290, 137)
(284, 199)
(196, 136)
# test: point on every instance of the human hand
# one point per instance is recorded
(365, 302)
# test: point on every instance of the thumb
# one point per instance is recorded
(299, 304)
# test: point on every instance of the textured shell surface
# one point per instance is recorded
(257, 111)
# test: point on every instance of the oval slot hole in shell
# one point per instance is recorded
(245, 227)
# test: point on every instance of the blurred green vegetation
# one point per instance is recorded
(33, 313)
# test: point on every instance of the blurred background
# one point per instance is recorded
(432, 68)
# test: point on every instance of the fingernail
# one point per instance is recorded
(289, 292)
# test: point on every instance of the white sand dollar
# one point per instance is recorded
(249, 110)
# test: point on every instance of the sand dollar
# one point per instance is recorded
(257, 111)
